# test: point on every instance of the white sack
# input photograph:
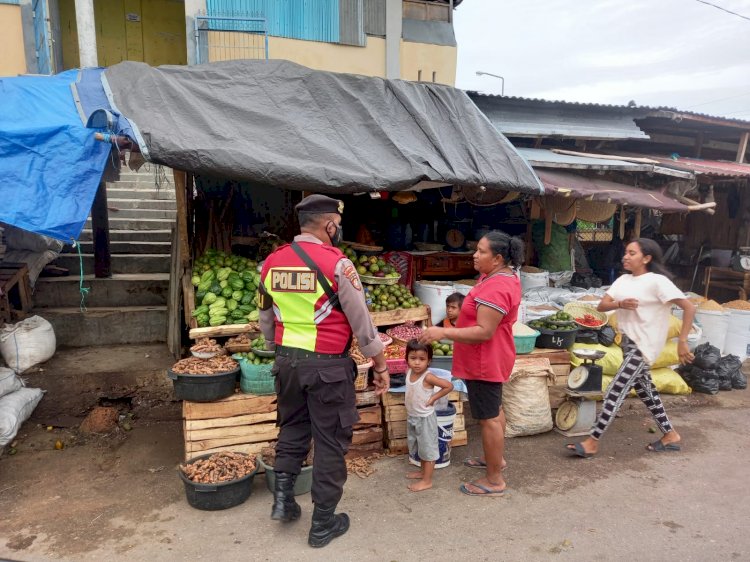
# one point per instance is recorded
(15, 408)
(9, 381)
(27, 343)
(526, 399)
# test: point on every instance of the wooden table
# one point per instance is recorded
(14, 277)
(727, 278)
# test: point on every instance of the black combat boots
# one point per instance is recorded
(326, 526)
(285, 508)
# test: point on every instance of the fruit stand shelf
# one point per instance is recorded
(401, 315)
(225, 330)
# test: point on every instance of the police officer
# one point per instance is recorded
(311, 302)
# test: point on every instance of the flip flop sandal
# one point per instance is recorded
(578, 450)
(659, 447)
(476, 462)
(485, 491)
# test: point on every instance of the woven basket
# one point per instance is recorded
(370, 280)
(576, 310)
(595, 211)
(563, 209)
(360, 383)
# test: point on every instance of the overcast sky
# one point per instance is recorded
(677, 53)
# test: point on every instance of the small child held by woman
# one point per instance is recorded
(421, 420)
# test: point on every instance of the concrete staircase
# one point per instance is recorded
(130, 307)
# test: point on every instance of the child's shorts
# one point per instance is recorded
(422, 433)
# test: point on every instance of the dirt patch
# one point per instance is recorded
(101, 419)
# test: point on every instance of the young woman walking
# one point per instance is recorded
(642, 301)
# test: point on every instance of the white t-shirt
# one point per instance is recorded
(648, 324)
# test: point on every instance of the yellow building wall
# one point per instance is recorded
(12, 55)
(428, 58)
(151, 31)
(368, 60)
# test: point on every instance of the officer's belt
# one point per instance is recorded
(297, 353)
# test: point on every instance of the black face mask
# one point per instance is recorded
(338, 237)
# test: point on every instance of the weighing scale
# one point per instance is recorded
(741, 262)
(577, 413)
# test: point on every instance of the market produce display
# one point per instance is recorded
(394, 351)
(242, 339)
(207, 346)
(405, 331)
(212, 366)
(558, 322)
(226, 289)
(219, 467)
(374, 266)
(440, 348)
(389, 297)
(254, 359)
(589, 320)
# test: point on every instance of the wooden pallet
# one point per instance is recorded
(400, 315)
(397, 398)
(369, 416)
(401, 447)
(397, 429)
(398, 412)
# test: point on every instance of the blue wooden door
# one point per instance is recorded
(42, 37)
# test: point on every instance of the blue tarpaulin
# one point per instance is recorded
(50, 164)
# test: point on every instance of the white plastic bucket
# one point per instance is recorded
(738, 335)
(445, 420)
(433, 294)
(714, 325)
(531, 280)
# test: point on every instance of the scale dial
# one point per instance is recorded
(578, 377)
(745, 262)
(454, 238)
(567, 415)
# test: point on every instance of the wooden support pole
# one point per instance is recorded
(180, 189)
(100, 228)
(742, 148)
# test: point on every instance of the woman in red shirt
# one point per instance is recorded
(484, 350)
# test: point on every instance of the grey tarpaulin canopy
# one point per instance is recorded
(280, 124)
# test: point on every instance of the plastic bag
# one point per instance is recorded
(27, 343)
(606, 335)
(588, 336)
(700, 380)
(739, 380)
(725, 370)
(707, 356)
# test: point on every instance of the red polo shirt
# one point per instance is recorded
(492, 360)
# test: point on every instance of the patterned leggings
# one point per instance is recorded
(634, 373)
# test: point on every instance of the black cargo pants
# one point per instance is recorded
(316, 400)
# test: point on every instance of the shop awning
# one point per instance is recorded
(718, 168)
(580, 187)
(280, 124)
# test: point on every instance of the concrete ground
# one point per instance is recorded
(118, 498)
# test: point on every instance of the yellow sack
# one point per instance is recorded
(675, 325)
(668, 356)
(666, 381)
(610, 362)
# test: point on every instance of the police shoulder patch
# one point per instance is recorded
(350, 273)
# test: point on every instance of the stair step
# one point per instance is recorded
(107, 325)
(141, 184)
(116, 192)
(121, 263)
(124, 247)
(133, 203)
(164, 235)
(116, 223)
(141, 289)
(139, 214)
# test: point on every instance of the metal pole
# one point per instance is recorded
(502, 83)
(86, 33)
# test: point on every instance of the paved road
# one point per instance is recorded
(107, 500)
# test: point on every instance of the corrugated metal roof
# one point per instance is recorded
(699, 166)
(555, 120)
(638, 111)
(542, 158)
(594, 189)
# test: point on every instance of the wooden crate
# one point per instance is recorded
(369, 416)
(397, 429)
(400, 315)
(398, 413)
(561, 374)
(365, 449)
(367, 435)
(401, 447)
(242, 422)
(397, 398)
(366, 397)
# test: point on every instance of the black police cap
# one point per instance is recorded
(317, 204)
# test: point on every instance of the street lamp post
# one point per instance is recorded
(502, 84)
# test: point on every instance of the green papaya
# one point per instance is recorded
(217, 320)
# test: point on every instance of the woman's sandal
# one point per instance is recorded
(659, 447)
(578, 450)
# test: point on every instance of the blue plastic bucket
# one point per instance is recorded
(445, 419)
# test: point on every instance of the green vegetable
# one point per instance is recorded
(218, 303)
(217, 312)
(199, 295)
(195, 280)
(210, 298)
(204, 285)
(246, 308)
(253, 316)
(208, 275)
(217, 320)
(247, 298)
(202, 320)
(226, 292)
(237, 314)
(203, 309)
(215, 288)
(232, 305)
(237, 284)
(223, 283)
(223, 273)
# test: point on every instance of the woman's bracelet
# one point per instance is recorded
(382, 371)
